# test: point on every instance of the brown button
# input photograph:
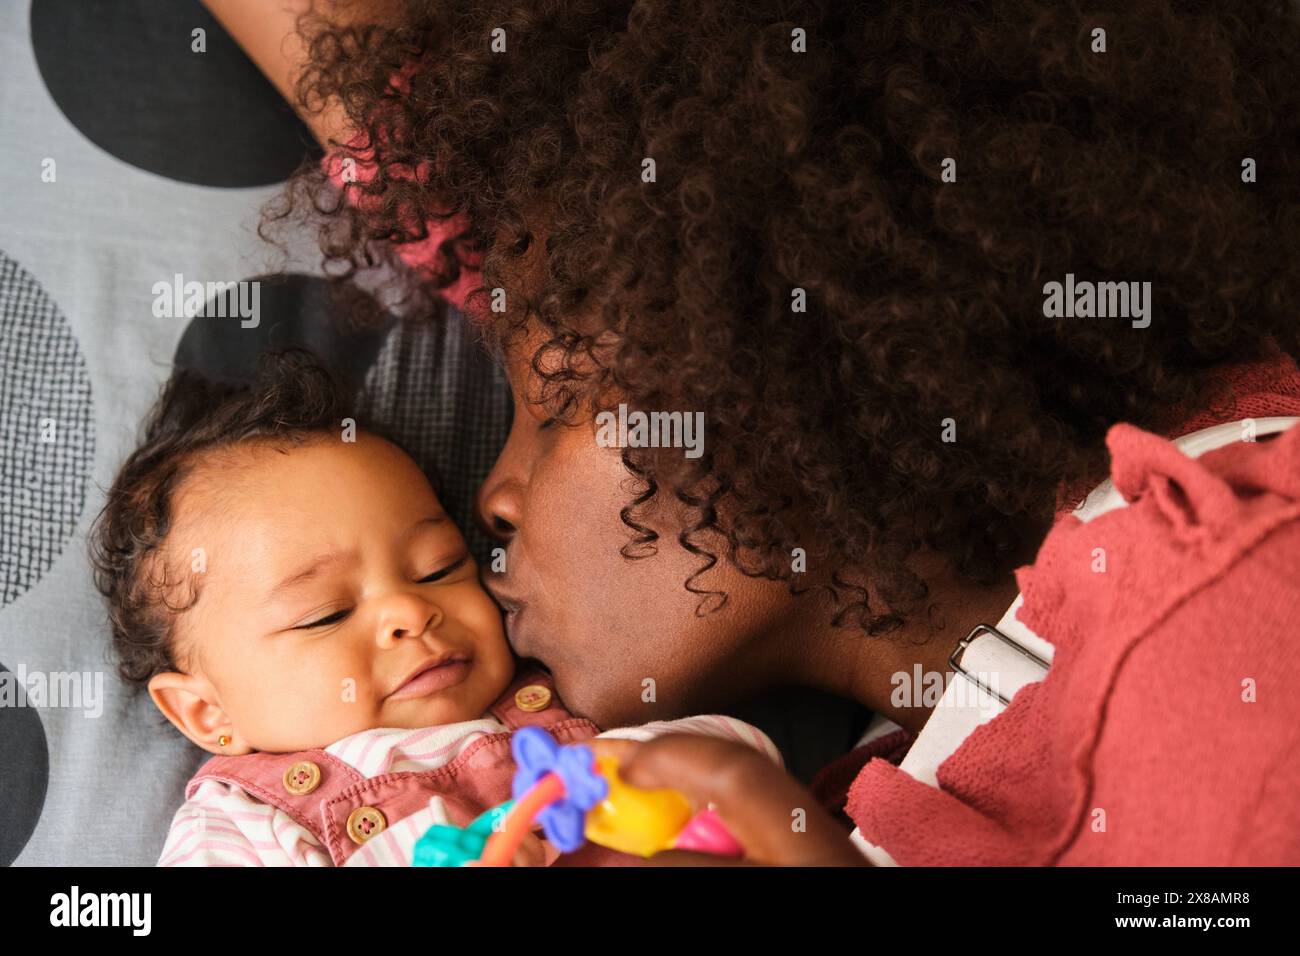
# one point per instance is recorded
(533, 698)
(365, 822)
(303, 777)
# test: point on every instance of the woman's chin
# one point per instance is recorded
(570, 693)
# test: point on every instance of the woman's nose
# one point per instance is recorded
(499, 508)
(499, 504)
(407, 615)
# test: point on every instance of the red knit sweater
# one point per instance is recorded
(1168, 728)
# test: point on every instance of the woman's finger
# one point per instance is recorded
(614, 747)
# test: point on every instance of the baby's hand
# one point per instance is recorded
(532, 852)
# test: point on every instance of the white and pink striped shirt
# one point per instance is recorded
(223, 825)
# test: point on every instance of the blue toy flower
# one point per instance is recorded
(537, 754)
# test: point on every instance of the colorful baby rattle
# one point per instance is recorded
(576, 796)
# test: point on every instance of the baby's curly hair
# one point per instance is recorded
(780, 173)
(291, 398)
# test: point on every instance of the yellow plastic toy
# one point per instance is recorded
(640, 822)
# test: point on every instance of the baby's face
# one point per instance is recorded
(328, 576)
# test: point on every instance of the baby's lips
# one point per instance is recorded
(428, 674)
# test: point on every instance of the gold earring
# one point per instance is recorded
(223, 740)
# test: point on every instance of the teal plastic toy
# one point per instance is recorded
(447, 845)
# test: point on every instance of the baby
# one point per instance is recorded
(297, 601)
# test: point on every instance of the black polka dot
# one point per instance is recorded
(125, 74)
(24, 770)
(294, 311)
(47, 437)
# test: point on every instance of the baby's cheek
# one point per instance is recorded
(350, 691)
(498, 668)
(327, 699)
(481, 618)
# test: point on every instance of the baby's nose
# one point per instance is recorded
(409, 616)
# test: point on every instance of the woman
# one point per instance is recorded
(911, 263)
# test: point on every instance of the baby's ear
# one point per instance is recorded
(186, 700)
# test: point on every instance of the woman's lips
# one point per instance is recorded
(437, 678)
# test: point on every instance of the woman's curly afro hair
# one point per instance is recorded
(779, 169)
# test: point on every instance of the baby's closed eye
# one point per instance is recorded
(335, 617)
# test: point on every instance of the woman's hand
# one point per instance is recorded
(774, 817)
